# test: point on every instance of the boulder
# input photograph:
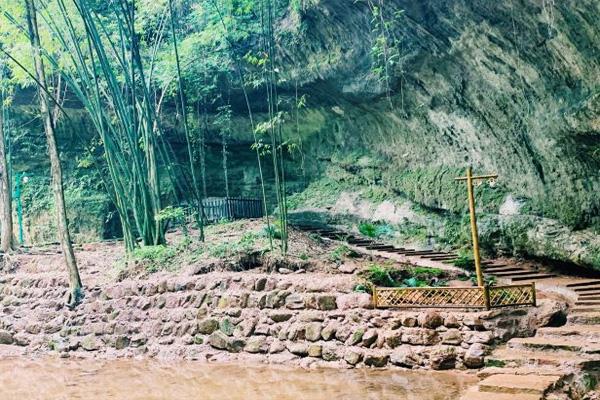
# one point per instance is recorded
(376, 359)
(485, 337)
(369, 337)
(430, 319)
(475, 356)
(294, 301)
(299, 349)
(312, 331)
(6, 337)
(443, 357)
(122, 342)
(208, 326)
(451, 321)
(276, 347)
(315, 350)
(409, 321)
(218, 340)
(405, 357)
(352, 356)
(419, 336)
(452, 336)
(226, 326)
(281, 316)
(356, 337)
(256, 344)
(326, 302)
(393, 338)
(329, 331)
(330, 353)
(354, 300)
(90, 343)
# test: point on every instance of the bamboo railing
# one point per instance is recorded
(483, 297)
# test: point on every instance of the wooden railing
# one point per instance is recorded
(231, 208)
(486, 297)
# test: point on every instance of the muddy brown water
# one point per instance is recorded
(54, 379)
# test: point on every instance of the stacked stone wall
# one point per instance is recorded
(267, 318)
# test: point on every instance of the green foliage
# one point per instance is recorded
(375, 230)
(272, 231)
(154, 258)
(368, 229)
(390, 276)
(170, 213)
(494, 363)
(341, 252)
(246, 244)
(465, 261)
(380, 275)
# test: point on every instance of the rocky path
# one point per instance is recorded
(557, 363)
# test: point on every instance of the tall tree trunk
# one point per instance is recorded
(76, 292)
(6, 235)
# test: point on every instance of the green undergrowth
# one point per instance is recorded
(341, 252)
(386, 275)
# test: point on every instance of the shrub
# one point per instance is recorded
(465, 261)
(368, 229)
(340, 252)
(154, 258)
(389, 276)
(380, 275)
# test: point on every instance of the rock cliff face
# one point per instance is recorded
(509, 87)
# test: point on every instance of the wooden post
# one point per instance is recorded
(474, 233)
(486, 296)
(533, 294)
(374, 296)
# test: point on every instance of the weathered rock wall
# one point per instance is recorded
(266, 318)
(508, 87)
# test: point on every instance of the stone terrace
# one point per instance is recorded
(307, 320)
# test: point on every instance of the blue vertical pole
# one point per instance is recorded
(17, 194)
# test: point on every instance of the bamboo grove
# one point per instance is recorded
(122, 63)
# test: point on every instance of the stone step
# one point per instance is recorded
(475, 394)
(493, 270)
(494, 264)
(591, 296)
(532, 277)
(585, 318)
(527, 370)
(537, 358)
(587, 302)
(584, 289)
(448, 257)
(519, 272)
(381, 247)
(424, 253)
(585, 309)
(594, 282)
(554, 344)
(588, 333)
(519, 384)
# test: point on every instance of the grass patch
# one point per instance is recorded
(390, 276)
(341, 252)
(154, 258)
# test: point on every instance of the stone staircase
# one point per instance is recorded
(556, 359)
(512, 273)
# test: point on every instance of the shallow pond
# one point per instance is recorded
(53, 379)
